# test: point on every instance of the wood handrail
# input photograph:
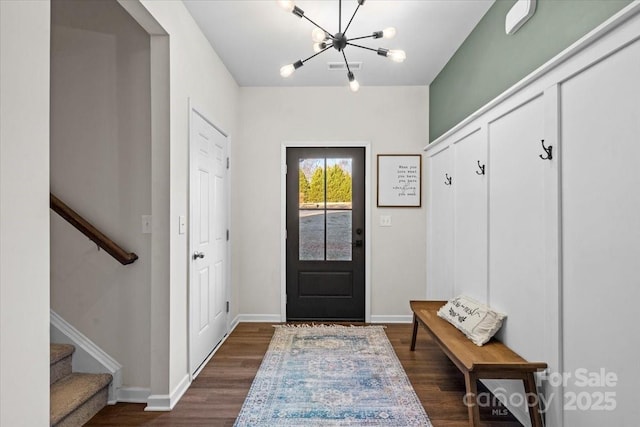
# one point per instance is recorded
(73, 218)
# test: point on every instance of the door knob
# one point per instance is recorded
(197, 255)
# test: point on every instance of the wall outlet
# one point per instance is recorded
(385, 220)
(146, 224)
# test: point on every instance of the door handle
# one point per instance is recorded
(357, 243)
(197, 255)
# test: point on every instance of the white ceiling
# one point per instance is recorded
(254, 38)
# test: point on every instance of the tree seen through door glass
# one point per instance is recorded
(325, 203)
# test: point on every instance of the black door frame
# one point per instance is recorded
(367, 212)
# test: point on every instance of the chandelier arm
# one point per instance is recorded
(362, 47)
(362, 37)
(313, 56)
(351, 20)
(327, 32)
(346, 62)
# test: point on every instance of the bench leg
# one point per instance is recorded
(532, 399)
(415, 332)
(470, 399)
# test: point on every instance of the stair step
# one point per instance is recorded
(76, 398)
(60, 351)
(60, 361)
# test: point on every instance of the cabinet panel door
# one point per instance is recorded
(516, 226)
(440, 226)
(470, 219)
(601, 233)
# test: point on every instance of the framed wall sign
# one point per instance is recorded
(399, 180)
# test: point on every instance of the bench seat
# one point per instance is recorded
(494, 360)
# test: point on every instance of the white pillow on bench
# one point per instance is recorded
(477, 321)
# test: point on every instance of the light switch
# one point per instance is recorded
(146, 224)
(182, 224)
(385, 220)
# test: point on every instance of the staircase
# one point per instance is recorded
(75, 398)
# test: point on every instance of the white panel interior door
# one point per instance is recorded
(516, 226)
(470, 221)
(208, 243)
(601, 238)
(440, 227)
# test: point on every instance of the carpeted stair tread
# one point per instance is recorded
(69, 393)
(60, 351)
(60, 361)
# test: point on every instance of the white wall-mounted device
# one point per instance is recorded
(518, 15)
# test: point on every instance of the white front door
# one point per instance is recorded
(208, 238)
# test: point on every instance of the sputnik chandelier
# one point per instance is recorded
(324, 40)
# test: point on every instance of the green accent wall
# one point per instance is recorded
(489, 61)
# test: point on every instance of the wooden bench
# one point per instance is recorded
(494, 360)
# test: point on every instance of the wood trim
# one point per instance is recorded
(86, 228)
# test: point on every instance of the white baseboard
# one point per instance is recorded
(258, 318)
(275, 318)
(392, 318)
(234, 324)
(133, 394)
(88, 357)
(166, 402)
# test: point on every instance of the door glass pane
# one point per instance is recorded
(339, 205)
(325, 204)
(311, 209)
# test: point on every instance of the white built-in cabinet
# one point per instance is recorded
(470, 215)
(552, 242)
(517, 224)
(600, 133)
(440, 248)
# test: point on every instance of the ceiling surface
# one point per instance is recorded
(254, 38)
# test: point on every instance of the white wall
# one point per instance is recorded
(196, 73)
(137, 313)
(392, 119)
(24, 213)
(563, 233)
(601, 235)
(101, 167)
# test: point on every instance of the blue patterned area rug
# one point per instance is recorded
(331, 376)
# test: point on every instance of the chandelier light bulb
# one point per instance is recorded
(389, 33)
(287, 70)
(287, 5)
(353, 83)
(318, 35)
(354, 86)
(317, 47)
(397, 55)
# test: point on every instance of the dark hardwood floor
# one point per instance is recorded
(216, 396)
